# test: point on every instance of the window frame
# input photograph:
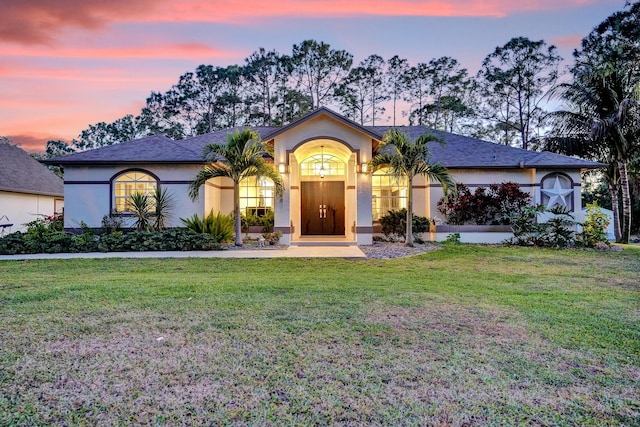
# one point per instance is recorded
(394, 201)
(114, 181)
(260, 208)
(334, 166)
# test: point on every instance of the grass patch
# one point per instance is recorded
(467, 335)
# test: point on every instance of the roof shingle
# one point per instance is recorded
(457, 152)
(21, 173)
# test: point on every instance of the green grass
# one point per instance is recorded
(466, 335)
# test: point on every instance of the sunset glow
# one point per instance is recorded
(67, 64)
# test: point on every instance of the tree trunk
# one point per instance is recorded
(409, 221)
(626, 203)
(615, 210)
(236, 210)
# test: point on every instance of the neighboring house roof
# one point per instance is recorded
(457, 152)
(21, 173)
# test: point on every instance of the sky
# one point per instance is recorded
(65, 64)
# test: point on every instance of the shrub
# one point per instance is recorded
(173, 239)
(111, 223)
(219, 226)
(453, 239)
(150, 211)
(595, 226)
(13, 243)
(557, 232)
(394, 223)
(163, 203)
(495, 206)
(266, 221)
(139, 204)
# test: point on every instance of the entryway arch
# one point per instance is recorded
(323, 187)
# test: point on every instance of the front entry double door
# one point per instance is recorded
(322, 208)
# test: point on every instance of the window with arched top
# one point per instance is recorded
(322, 165)
(389, 193)
(256, 196)
(128, 183)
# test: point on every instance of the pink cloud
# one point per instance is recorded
(39, 21)
(568, 42)
(233, 11)
(34, 143)
(190, 51)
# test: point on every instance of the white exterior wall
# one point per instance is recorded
(21, 208)
(89, 192)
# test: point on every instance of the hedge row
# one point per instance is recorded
(174, 239)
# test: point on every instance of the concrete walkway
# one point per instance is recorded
(287, 252)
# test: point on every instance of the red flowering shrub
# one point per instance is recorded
(493, 206)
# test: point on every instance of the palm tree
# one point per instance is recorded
(603, 118)
(242, 157)
(599, 124)
(406, 159)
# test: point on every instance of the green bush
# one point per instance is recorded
(173, 239)
(13, 243)
(151, 211)
(266, 221)
(394, 223)
(595, 226)
(557, 232)
(220, 227)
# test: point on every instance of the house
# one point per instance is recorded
(329, 193)
(28, 190)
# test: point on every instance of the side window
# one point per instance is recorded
(389, 193)
(129, 183)
(256, 196)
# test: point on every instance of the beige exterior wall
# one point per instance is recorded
(21, 208)
(332, 137)
(218, 196)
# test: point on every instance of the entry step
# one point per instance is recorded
(322, 243)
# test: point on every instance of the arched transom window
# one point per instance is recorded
(256, 196)
(129, 183)
(322, 165)
(389, 193)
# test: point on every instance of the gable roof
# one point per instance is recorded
(21, 173)
(459, 152)
(324, 111)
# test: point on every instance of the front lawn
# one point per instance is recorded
(465, 335)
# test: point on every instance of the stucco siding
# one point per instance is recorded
(473, 179)
(89, 192)
(21, 208)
